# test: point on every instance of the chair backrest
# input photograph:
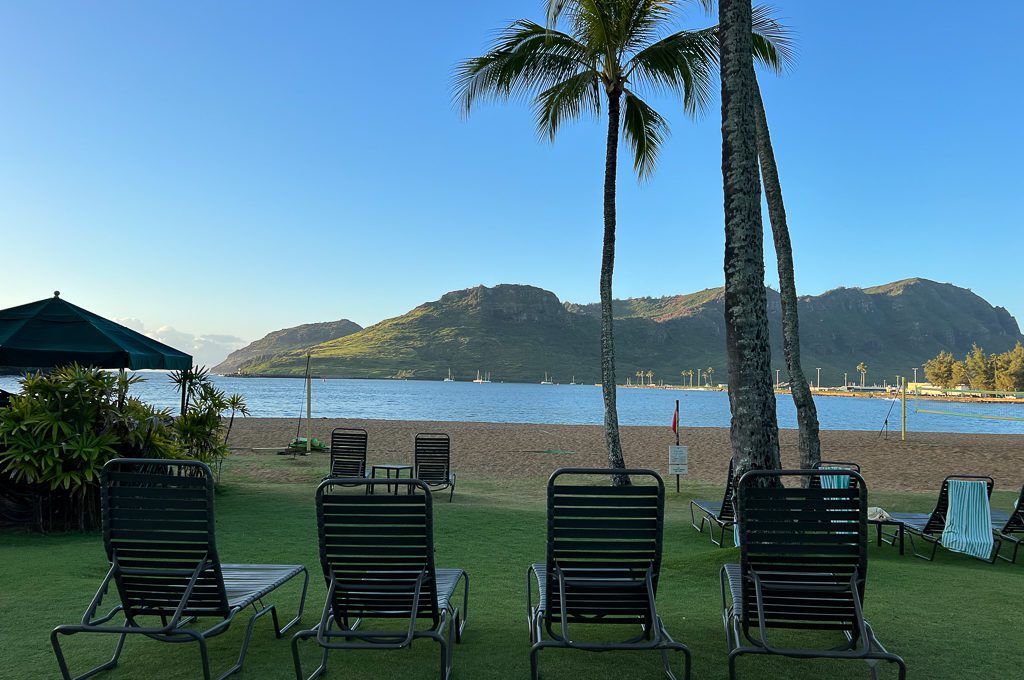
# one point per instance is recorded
(937, 520)
(605, 536)
(158, 527)
(348, 452)
(810, 536)
(815, 481)
(1015, 524)
(728, 511)
(376, 546)
(433, 451)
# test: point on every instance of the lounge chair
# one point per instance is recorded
(603, 565)
(716, 513)
(158, 530)
(929, 527)
(377, 554)
(1011, 532)
(803, 566)
(348, 452)
(840, 481)
(433, 460)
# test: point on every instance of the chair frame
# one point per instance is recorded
(931, 531)
(345, 460)
(427, 456)
(447, 623)
(173, 628)
(1012, 532)
(796, 581)
(725, 517)
(576, 523)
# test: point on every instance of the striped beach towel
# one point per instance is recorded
(834, 481)
(968, 521)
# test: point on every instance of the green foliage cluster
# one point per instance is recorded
(58, 433)
(1003, 372)
(66, 424)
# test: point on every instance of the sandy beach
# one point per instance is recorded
(499, 449)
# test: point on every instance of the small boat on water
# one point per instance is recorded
(546, 380)
(449, 378)
(485, 379)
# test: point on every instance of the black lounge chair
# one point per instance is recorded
(815, 481)
(1011, 532)
(348, 452)
(803, 566)
(377, 554)
(603, 565)
(433, 461)
(158, 530)
(929, 526)
(714, 513)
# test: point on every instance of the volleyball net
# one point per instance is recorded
(982, 404)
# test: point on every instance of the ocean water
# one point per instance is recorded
(570, 404)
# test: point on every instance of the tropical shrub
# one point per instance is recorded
(56, 435)
(199, 429)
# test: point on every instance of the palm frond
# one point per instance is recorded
(525, 59)
(568, 100)
(684, 62)
(774, 47)
(644, 130)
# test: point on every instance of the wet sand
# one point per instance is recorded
(500, 449)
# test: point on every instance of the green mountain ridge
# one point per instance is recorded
(289, 339)
(519, 332)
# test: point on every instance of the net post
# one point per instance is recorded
(904, 435)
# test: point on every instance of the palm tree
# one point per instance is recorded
(612, 50)
(650, 377)
(709, 371)
(754, 433)
(862, 368)
(640, 374)
(236, 402)
(806, 411)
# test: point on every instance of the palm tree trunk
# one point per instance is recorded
(806, 412)
(754, 432)
(611, 413)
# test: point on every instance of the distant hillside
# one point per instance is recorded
(283, 341)
(520, 332)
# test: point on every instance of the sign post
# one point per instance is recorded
(678, 456)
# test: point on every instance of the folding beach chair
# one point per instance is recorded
(803, 566)
(433, 460)
(1011, 532)
(603, 564)
(717, 513)
(929, 527)
(348, 452)
(377, 554)
(158, 530)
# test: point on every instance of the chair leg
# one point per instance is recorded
(303, 635)
(667, 666)
(278, 630)
(535, 662)
(62, 662)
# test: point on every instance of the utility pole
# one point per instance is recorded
(819, 378)
(915, 373)
(845, 381)
(776, 378)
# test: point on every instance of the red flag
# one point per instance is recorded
(675, 419)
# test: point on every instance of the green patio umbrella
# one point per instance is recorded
(54, 332)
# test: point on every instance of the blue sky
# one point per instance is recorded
(227, 169)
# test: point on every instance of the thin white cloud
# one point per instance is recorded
(206, 350)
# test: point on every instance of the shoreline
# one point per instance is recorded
(496, 450)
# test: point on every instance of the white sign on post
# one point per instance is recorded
(678, 460)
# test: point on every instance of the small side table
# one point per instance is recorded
(388, 468)
(897, 535)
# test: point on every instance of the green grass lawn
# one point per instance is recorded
(953, 618)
